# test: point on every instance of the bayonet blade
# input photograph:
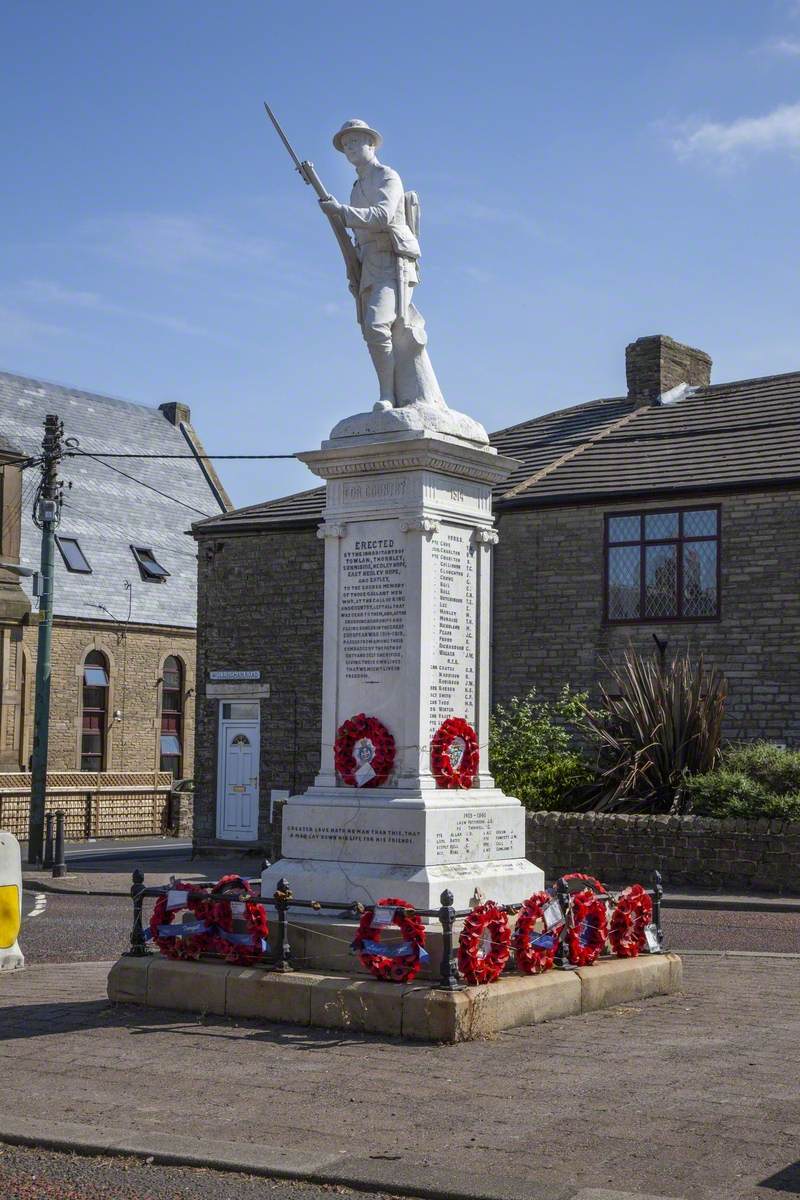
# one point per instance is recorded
(285, 140)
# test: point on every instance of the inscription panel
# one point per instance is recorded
(372, 601)
(389, 491)
(451, 682)
(351, 833)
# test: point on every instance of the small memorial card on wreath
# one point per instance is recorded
(552, 915)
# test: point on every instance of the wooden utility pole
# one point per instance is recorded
(46, 516)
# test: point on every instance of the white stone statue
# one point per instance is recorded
(382, 271)
(385, 222)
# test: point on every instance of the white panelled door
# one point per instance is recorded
(237, 790)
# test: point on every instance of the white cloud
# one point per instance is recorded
(784, 47)
(48, 292)
(19, 329)
(171, 241)
(778, 130)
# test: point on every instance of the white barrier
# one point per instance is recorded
(11, 957)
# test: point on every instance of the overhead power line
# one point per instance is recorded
(149, 486)
(98, 454)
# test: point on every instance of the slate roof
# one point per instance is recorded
(726, 435)
(107, 512)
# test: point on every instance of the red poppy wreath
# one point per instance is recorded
(186, 939)
(454, 754)
(394, 964)
(240, 946)
(535, 949)
(363, 752)
(586, 935)
(485, 943)
(629, 920)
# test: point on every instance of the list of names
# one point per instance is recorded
(451, 691)
(372, 606)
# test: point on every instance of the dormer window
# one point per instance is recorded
(149, 566)
(74, 558)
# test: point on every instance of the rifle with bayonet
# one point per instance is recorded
(310, 176)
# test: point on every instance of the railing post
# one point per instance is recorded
(562, 953)
(282, 898)
(59, 862)
(48, 840)
(448, 974)
(658, 896)
(138, 945)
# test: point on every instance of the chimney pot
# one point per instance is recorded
(655, 364)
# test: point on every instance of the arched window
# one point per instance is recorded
(95, 712)
(172, 717)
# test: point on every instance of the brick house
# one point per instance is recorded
(670, 512)
(124, 628)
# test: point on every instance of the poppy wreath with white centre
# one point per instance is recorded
(629, 920)
(354, 730)
(484, 946)
(446, 773)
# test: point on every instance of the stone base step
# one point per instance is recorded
(415, 1011)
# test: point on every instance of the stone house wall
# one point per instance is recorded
(260, 608)
(696, 851)
(136, 657)
(548, 607)
(260, 602)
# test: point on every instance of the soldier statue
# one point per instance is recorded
(385, 222)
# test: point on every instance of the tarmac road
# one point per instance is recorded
(78, 928)
(31, 1174)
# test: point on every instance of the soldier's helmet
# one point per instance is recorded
(357, 126)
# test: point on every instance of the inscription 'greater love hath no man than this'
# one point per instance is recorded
(372, 606)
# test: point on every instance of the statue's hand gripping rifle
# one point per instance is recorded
(310, 176)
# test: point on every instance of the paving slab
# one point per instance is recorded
(691, 1097)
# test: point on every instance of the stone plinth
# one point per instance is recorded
(415, 1011)
(408, 541)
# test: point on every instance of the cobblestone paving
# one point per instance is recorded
(694, 1096)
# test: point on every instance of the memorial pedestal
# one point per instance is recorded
(408, 539)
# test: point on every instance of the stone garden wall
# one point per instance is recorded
(698, 851)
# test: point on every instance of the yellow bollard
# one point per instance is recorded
(11, 957)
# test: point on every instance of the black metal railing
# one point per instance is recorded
(283, 901)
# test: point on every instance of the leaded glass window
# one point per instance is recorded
(663, 565)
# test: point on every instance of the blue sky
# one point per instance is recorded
(588, 174)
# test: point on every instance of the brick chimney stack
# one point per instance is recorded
(654, 365)
(176, 413)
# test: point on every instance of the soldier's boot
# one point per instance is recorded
(383, 361)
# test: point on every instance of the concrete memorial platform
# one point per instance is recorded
(415, 1011)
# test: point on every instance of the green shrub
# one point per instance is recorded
(776, 769)
(533, 754)
(660, 723)
(729, 793)
(758, 780)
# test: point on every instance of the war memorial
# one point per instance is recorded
(403, 897)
